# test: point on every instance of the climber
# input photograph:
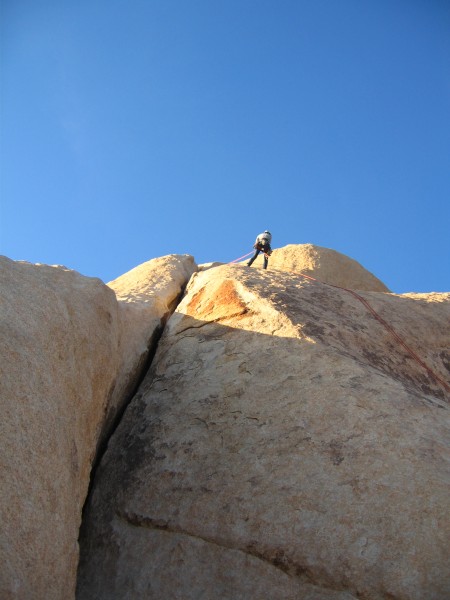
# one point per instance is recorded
(262, 244)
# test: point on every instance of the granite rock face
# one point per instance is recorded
(283, 445)
(147, 295)
(60, 336)
(71, 355)
(324, 264)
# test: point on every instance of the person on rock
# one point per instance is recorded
(262, 244)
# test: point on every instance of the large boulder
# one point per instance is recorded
(284, 445)
(324, 264)
(71, 357)
(59, 360)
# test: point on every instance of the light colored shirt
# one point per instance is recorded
(263, 238)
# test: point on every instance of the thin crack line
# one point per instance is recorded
(245, 311)
(279, 560)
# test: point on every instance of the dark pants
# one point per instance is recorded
(259, 249)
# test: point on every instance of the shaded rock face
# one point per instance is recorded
(324, 264)
(283, 445)
(71, 354)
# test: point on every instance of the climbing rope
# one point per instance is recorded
(240, 258)
(389, 328)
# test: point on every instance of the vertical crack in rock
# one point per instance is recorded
(150, 355)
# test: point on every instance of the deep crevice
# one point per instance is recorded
(143, 369)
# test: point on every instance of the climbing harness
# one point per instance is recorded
(389, 328)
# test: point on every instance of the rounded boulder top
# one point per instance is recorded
(326, 265)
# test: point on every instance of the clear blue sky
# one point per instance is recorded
(132, 129)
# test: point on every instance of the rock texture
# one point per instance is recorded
(283, 445)
(323, 264)
(147, 295)
(60, 335)
(71, 355)
(210, 265)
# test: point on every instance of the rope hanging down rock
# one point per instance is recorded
(240, 258)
